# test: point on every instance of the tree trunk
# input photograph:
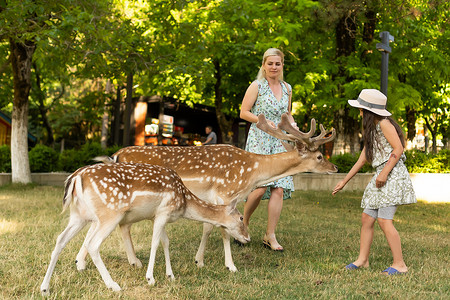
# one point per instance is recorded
(21, 60)
(433, 132)
(43, 110)
(411, 119)
(105, 118)
(128, 102)
(224, 124)
(347, 128)
(347, 133)
(116, 114)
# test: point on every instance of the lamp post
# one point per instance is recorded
(384, 48)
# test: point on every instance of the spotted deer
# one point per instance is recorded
(121, 194)
(223, 173)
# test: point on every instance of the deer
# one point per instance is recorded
(223, 172)
(121, 194)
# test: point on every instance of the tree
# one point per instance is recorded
(25, 24)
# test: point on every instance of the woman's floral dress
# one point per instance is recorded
(398, 189)
(262, 143)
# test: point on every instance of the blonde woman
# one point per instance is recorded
(271, 96)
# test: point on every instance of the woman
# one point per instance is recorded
(271, 96)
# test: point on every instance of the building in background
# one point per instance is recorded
(5, 131)
(180, 123)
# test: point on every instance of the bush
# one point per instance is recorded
(43, 159)
(5, 159)
(416, 162)
(420, 162)
(345, 162)
(72, 159)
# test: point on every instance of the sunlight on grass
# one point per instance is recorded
(436, 227)
(320, 235)
(8, 226)
(5, 197)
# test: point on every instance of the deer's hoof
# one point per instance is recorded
(199, 264)
(115, 287)
(232, 268)
(45, 292)
(151, 281)
(81, 265)
(137, 264)
(171, 277)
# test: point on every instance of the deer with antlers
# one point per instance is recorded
(223, 173)
(121, 194)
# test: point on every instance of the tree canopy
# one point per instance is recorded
(208, 52)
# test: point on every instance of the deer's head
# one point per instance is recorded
(235, 223)
(304, 143)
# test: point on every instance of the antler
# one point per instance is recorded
(294, 134)
(275, 132)
(287, 126)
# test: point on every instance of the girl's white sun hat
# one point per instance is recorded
(372, 100)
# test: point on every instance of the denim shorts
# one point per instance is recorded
(382, 213)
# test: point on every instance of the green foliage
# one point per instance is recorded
(5, 159)
(345, 162)
(69, 160)
(72, 159)
(420, 162)
(43, 159)
(416, 162)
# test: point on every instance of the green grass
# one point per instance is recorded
(320, 234)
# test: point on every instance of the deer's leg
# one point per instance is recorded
(158, 228)
(80, 261)
(226, 246)
(128, 243)
(76, 223)
(199, 257)
(165, 244)
(101, 232)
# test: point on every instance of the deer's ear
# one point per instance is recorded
(287, 146)
(232, 205)
(301, 148)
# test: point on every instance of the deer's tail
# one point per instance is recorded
(73, 187)
(106, 159)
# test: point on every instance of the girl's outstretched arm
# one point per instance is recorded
(392, 137)
(353, 171)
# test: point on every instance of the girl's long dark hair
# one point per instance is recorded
(370, 121)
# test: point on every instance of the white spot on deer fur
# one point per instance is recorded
(241, 171)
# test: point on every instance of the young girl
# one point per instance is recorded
(390, 186)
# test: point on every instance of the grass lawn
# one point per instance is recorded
(320, 234)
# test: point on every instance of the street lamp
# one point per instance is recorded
(384, 48)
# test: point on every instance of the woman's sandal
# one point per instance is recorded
(269, 246)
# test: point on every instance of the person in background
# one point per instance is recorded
(271, 96)
(391, 185)
(211, 138)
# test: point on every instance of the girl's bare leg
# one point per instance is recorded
(367, 229)
(394, 242)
